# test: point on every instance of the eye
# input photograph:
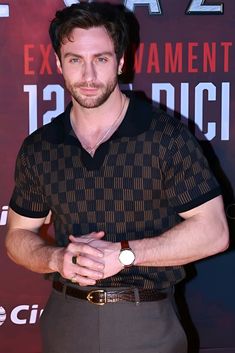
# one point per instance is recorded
(74, 60)
(102, 59)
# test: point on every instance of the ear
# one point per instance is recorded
(58, 63)
(120, 65)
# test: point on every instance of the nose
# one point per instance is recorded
(89, 72)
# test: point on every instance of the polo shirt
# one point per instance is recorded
(135, 185)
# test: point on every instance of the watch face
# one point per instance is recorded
(126, 257)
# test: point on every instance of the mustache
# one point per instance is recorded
(87, 85)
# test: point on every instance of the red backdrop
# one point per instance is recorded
(185, 61)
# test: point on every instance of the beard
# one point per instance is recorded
(92, 101)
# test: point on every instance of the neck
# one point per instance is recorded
(95, 126)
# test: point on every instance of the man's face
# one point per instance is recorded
(89, 66)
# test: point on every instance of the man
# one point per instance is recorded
(131, 196)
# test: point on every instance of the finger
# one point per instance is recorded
(94, 235)
(82, 281)
(94, 272)
(85, 265)
(87, 237)
(88, 273)
(73, 279)
(84, 248)
(89, 262)
(85, 272)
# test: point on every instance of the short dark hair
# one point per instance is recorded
(87, 15)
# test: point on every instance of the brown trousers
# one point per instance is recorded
(70, 325)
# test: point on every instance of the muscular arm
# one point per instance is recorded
(28, 249)
(203, 233)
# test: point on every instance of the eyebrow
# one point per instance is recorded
(105, 53)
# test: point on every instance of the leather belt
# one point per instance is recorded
(102, 296)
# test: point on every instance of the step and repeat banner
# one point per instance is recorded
(184, 63)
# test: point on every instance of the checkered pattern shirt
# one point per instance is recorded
(138, 181)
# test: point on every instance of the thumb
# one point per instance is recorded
(96, 235)
(87, 238)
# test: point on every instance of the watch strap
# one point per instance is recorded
(125, 244)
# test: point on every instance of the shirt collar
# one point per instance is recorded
(136, 121)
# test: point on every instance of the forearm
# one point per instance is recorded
(204, 232)
(193, 239)
(29, 250)
(26, 248)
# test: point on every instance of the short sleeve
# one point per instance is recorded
(188, 180)
(28, 198)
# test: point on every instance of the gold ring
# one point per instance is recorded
(73, 279)
(74, 260)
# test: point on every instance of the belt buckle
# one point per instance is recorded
(90, 297)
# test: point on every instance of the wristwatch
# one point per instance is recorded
(126, 256)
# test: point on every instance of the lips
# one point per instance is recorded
(89, 91)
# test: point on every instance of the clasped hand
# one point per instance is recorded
(95, 259)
